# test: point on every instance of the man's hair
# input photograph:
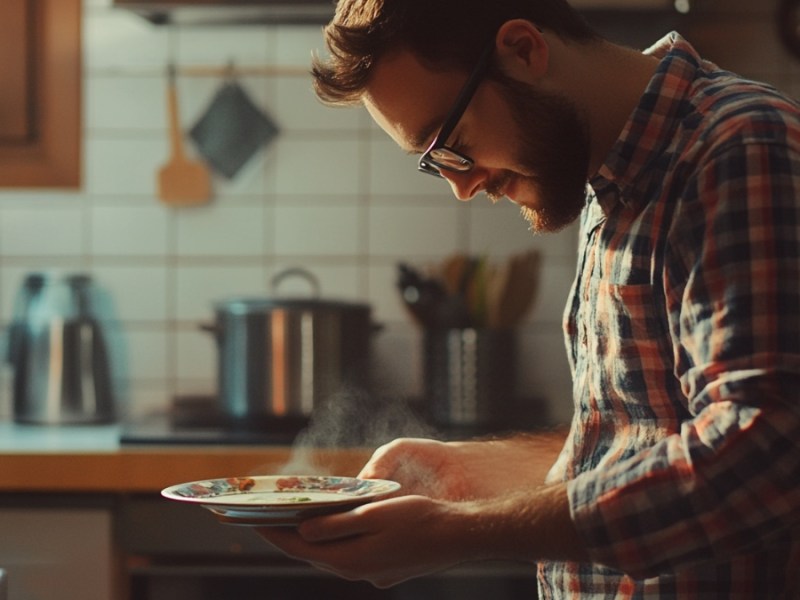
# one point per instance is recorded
(441, 33)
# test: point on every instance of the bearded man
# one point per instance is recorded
(680, 474)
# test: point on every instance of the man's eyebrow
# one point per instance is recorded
(420, 141)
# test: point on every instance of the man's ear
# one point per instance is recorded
(522, 51)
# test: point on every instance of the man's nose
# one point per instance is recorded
(465, 185)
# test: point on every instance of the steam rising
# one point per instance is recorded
(351, 419)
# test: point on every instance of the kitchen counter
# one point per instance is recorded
(90, 459)
(80, 483)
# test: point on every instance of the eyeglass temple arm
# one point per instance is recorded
(467, 91)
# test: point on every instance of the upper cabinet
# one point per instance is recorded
(40, 107)
(231, 12)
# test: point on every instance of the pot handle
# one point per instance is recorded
(313, 282)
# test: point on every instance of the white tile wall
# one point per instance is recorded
(242, 46)
(318, 230)
(197, 288)
(331, 194)
(129, 230)
(196, 354)
(146, 354)
(123, 165)
(114, 39)
(139, 292)
(319, 166)
(43, 230)
(413, 231)
(220, 230)
(299, 110)
(128, 103)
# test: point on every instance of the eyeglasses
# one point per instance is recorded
(440, 157)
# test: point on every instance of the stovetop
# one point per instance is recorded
(197, 420)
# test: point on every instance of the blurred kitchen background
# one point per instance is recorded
(331, 193)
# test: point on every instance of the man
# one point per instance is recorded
(680, 475)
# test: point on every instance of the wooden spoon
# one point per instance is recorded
(452, 272)
(181, 182)
(498, 291)
(525, 282)
(513, 290)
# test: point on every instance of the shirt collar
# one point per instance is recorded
(626, 171)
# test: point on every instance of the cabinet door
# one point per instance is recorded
(40, 107)
(57, 554)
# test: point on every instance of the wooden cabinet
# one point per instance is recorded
(58, 553)
(40, 104)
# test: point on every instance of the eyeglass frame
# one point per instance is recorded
(426, 163)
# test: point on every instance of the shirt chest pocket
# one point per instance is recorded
(629, 315)
(628, 334)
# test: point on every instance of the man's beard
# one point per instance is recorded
(553, 155)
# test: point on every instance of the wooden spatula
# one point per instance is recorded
(181, 182)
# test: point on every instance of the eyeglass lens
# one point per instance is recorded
(448, 159)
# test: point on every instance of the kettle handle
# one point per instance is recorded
(313, 282)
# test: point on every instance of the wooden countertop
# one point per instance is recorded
(89, 460)
(152, 469)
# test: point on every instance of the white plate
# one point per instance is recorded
(278, 500)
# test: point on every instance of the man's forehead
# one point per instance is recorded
(408, 100)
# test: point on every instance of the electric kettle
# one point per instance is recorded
(58, 353)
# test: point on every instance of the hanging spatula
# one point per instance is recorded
(181, 182)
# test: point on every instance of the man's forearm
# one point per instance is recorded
(528, 526)
(520, 462)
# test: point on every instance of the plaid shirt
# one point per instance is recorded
(683, 334)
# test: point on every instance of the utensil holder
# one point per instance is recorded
(469, 376)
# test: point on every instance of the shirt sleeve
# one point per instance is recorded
(729, 480)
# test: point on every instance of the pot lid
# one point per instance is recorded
(313, 302)
(250, 305)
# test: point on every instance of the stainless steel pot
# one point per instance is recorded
(281, 357)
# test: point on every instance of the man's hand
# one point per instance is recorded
(389, 541)
(465, 470)
(460, 502)
(384, 542)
